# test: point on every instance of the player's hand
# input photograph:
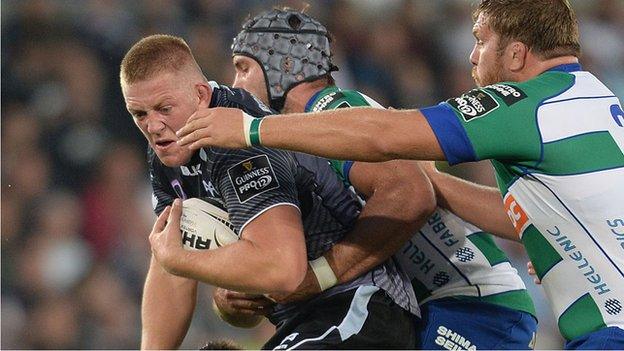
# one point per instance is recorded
(220, 126)
(308, 288)
(165, 238)
(532, 272)
(239, 306)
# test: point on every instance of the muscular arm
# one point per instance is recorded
(167, 308)
(361, 134)
(270, 257)
(478, 204)
(399, 201)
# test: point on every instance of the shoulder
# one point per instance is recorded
(231, 160)
(224, 96)
(334, 98)
(518, 98)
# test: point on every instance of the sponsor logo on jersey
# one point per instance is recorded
(616, 227)
(518, 217)
(326, 100)
(580, 260)
(252, 177)
(474, 104)
(192, 171)
(452, 340)
(508, 93)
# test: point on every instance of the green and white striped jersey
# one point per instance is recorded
(447, 257)
(557, 144)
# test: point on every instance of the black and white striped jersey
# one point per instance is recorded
(250, 181)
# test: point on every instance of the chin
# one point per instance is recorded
(174, 160)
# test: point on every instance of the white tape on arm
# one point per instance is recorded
(324, 273)
(247, 128)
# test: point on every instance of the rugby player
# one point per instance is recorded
(287, 208)
(554, 133)
(469, 294)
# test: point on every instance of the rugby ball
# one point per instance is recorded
(205, 225)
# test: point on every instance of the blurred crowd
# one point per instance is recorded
(75, 200)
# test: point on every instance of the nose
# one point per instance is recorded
(154, 124)
(238, 81)
(474, 56)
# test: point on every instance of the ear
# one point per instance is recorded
(204, 93)
(517, 55)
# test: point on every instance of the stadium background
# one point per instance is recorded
(76, 208)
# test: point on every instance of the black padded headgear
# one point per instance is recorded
(290, 46)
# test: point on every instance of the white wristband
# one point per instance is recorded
(247, 128)
(324, 273)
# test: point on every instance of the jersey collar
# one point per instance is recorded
(310, 104)
(569, 67)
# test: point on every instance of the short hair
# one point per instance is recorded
(548, 27)
(155, 54)
(221, 345)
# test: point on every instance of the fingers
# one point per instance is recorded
(192, 126)
(161, 221)
(198, 135)
(243, 303)
(175, 213)
(532, 272)
(530, 268)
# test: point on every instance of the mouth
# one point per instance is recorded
(163, 144)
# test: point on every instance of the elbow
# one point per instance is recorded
(419, 201)
(425, 206)
(288, 275)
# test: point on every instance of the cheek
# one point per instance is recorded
(142, 125)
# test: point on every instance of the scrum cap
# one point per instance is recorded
(290, 46)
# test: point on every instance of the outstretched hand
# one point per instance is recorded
(220, 126)
(165, 238)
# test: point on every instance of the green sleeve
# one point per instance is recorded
(500, 120)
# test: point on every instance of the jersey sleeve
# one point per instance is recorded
(254, 180)
(342, 169)
(494, 122)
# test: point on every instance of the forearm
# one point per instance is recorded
(400, 198)
(167, 308)
(245, 267)
(478, 204)
(360, 134)
(377, 235)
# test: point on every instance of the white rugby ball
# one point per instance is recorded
(205, 225)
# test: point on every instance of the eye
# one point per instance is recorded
(138, 114)
(165, 109)
(241, 67)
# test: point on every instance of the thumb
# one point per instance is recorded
(175, 214)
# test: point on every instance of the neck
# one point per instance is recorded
(538, 67)
(299, 96)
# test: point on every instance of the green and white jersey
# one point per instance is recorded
(447, 257)
(557, 145)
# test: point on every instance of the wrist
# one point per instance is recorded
(251, 127)
(324, 274)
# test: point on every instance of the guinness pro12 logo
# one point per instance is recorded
(252, 177)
